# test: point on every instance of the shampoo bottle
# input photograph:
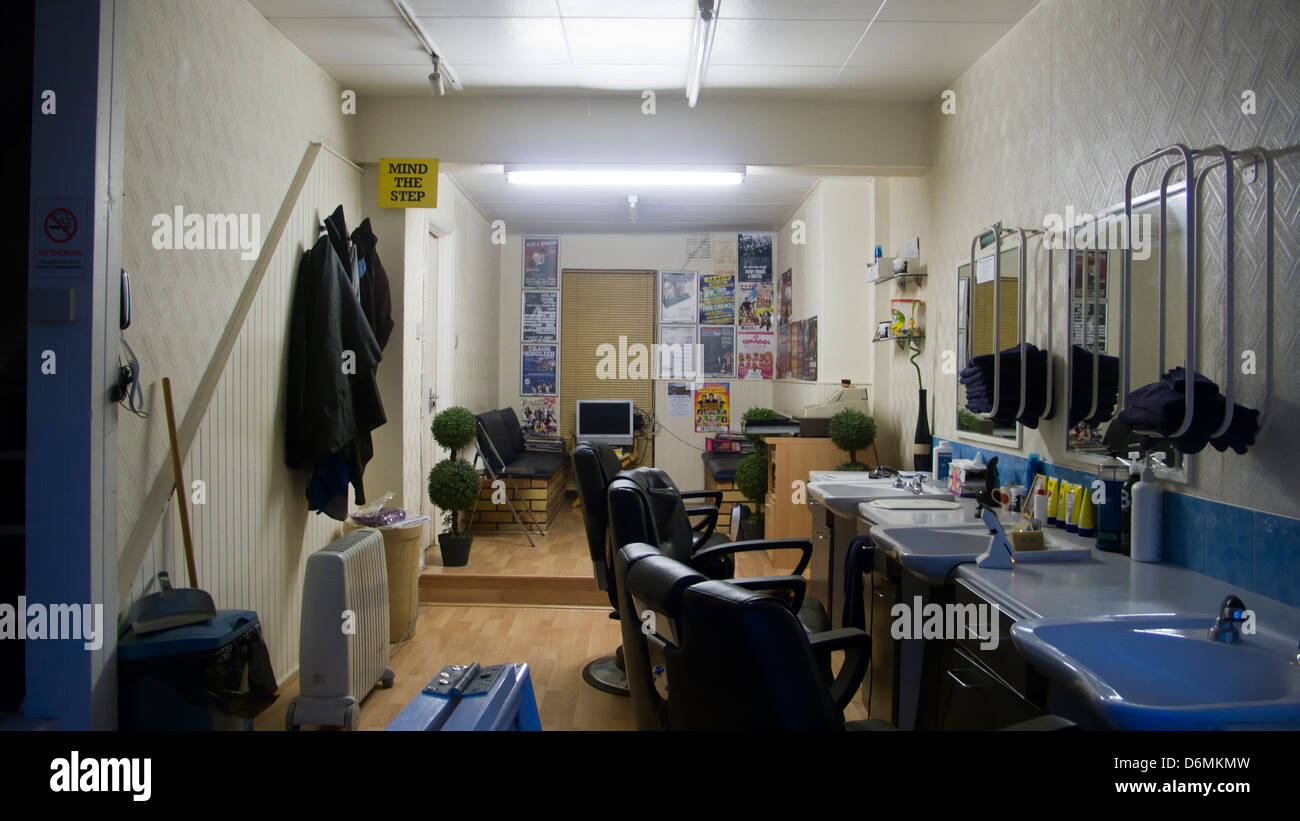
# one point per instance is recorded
(942, 461)
(1147, 518)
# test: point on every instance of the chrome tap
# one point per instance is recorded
(1231, 613)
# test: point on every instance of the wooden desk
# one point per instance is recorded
(790, 458)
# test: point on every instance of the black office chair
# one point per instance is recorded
(596, 464)
(724, 655)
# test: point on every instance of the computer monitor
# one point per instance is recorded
(604, 420)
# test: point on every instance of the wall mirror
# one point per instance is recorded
(1095, 314)
(990, 318)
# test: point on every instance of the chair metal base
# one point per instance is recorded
(606, 674)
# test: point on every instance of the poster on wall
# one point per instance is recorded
(712, 407)
(755, 257)
(785, 290)
(541, 262)
(724, 254)
(755, 306)
(679, 400)
(541, 317)
(677, 352)
(538, 370)
(717, 351)
(783, 351)
(755, 355)
(805, 364)
(699, 246)
(717, 299)
(677, 297)
(541, 418)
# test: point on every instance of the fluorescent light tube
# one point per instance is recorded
(626, 177)
(706, 26)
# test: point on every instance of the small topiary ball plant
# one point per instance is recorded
(454, 429)
(852, 430)
(453, 482)
(751, 478)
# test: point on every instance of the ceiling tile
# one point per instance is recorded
(628, 41)
(357, 41)
(627, 8)
(631, 78)
(482, 8)
(955, 11)
(783, 43)
(769, 77)
(809, 10)
(926, 44)
(505, 41)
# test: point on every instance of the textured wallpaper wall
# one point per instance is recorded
(219, 111)
(1053, 116)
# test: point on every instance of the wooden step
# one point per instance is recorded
(473, 588)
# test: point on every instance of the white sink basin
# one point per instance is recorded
(1162, 672)
(915, 510)
(931, 552)
(842, 492)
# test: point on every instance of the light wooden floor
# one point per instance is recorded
(556, 641)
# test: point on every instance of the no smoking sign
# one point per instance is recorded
(59, 244)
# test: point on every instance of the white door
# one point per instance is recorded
(430, 451)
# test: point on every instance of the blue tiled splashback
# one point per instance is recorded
(1257, 551)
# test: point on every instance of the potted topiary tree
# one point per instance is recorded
(454, 484)
(752, 472)
(852, 430)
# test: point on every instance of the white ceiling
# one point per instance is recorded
(765, 199)
(895, 50)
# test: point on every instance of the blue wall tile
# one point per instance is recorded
(1184, 531)
(1229, 544)
(1277, 557)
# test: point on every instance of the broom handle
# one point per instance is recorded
(180, 484)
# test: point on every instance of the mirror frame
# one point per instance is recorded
(1015, 443)
(1115, 274)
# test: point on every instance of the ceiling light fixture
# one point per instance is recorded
(626, 176)
(706, 25)
(442, 72)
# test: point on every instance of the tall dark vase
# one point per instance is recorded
(921, 442)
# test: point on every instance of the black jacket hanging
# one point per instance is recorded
(376, 300)
(332, 400)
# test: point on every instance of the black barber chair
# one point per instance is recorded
(595, 465)
(725, 655)
(645, 506)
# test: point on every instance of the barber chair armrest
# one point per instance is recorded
(796, 585)
(802, 545)
(703, 530)
(856, 645)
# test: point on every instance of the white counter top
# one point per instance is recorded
(1114, 585)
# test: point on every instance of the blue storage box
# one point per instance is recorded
(213, 675)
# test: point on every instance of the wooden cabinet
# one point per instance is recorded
(790, 458)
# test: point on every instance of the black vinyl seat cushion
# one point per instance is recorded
(722, 466)
(504, 433)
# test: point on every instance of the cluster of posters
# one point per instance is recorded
(796, 350)
(539, 335)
